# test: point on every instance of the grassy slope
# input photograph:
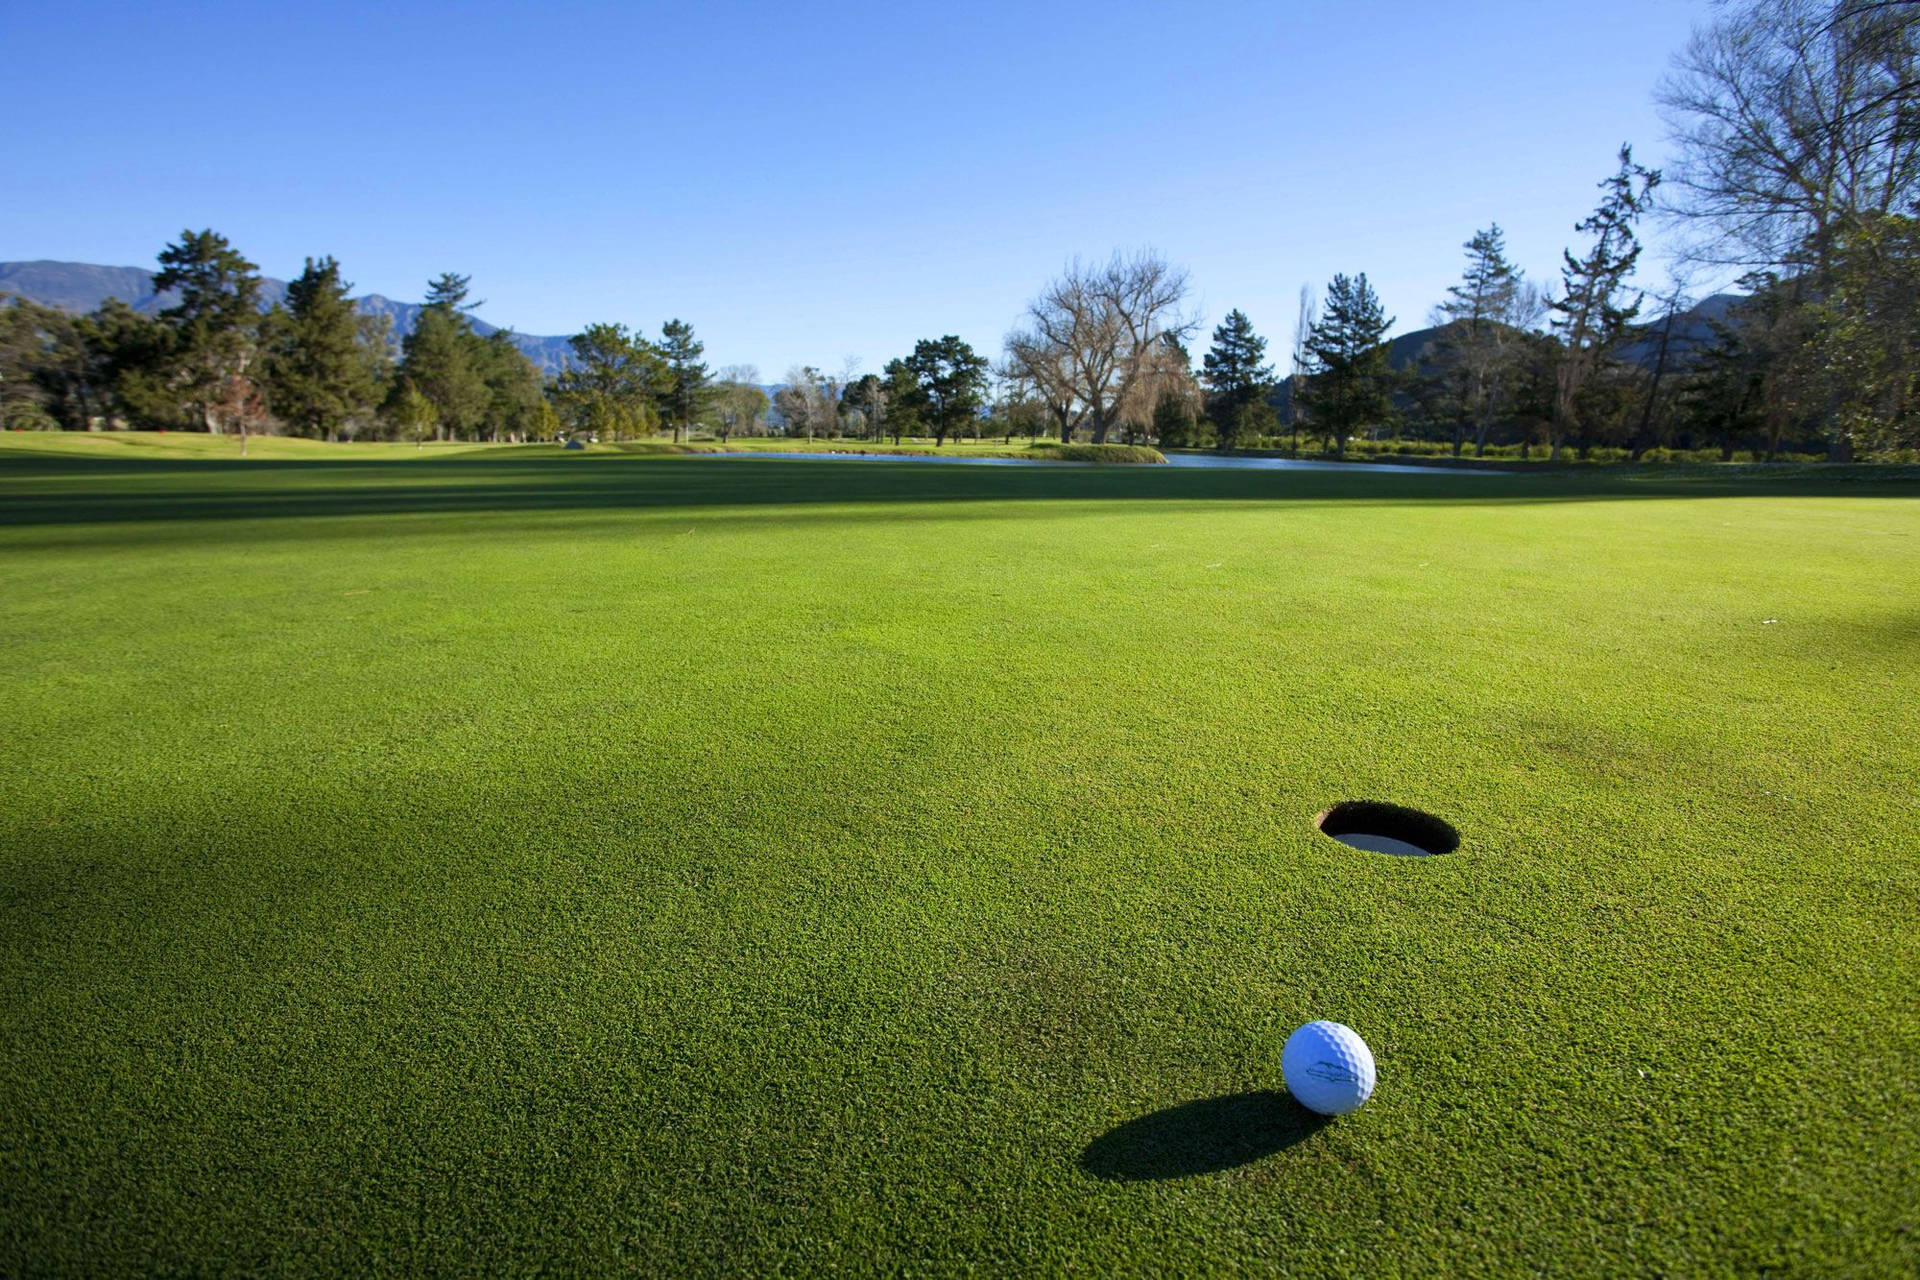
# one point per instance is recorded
(625, 863)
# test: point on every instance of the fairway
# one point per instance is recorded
(509, 861)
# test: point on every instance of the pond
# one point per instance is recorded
(1248, 462)
(1218, 461)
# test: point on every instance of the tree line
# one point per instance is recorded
(1797, 125)
(214, 360)
(1798, 132)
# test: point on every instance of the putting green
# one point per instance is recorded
(517, 861)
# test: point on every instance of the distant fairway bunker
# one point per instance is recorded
(1393, 829)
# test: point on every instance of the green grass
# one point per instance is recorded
(517, 862)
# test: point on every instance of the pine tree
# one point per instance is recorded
(906, 401)
(1349, 384)
(414, 414)
(212, 328)
(952, 381)
(867, 396)
(448, 292)
(1238, 380)
(613, 384)
(1475, 348)
(687, 379)
(1593, 310)
(129, 354)
(515, 402)
(49, 377)
(436, 360)
(318, 373)
(445, 360)
(1723, 393)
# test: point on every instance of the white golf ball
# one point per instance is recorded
(1328, 1067)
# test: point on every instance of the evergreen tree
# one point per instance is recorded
(1349, 384)
(516, 406)
(48, 377)
(1475, 348)
(414, 414)
(611, 388)
(445, 361)
(906, 401)
(1869, 344)
(1238, 380)
(687, 380)
(952, 381)
(317, 369)
(212, 328)
(448, 292)
(1593, 309)
(436, 360)
(1175, 424)
(1723, 394)
(867, 396)
(129, 355)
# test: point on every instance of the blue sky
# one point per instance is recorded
(811, 182)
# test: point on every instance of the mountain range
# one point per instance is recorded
(82, 286)
(1691, 328)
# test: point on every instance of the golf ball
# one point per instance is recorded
(1328, 1067)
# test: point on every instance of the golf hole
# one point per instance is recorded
(1395, 829)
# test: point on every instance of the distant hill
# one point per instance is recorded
(83, 286)
(1693, 327)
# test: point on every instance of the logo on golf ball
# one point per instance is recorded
(1328, 1068)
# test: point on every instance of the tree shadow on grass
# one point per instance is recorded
(56, 490)
(1209, 1135)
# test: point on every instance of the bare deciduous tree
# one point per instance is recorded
(739, 403)
(809, 402)
(1302, 363)
(1793, 119)
(1166, 371)
(1041, 370)
(1096, 332)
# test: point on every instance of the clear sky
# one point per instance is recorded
(808, 182)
